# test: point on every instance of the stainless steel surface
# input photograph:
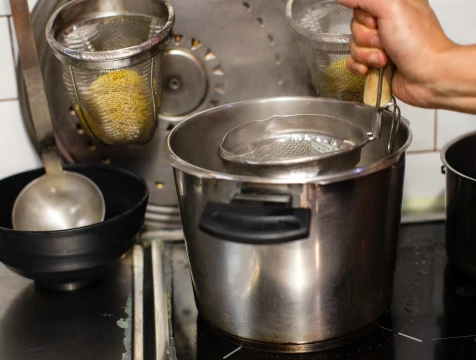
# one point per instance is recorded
(59, 199)
(376, 128)
(138, 271)
(302, 291)
(322, 30)
(263, 60)
(163, 234)
(301, 145)
(460, 170)
(94, 323)
(188, 79)
(161, 303)
(163, 217)
(112, 57)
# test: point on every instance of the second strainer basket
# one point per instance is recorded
(111, 51)
(322, 30)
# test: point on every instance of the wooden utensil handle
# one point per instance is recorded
(372, 82)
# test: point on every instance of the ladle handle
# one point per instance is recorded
(378, 93)
(35, 87)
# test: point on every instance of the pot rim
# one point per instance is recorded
(447, 146)
(173, 159)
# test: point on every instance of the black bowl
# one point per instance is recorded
(69, 259)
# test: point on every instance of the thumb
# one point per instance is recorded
(375, 8)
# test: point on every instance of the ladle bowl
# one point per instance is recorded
(60, 201)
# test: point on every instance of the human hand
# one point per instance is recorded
(408, 32)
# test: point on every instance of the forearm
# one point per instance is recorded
(453, 85)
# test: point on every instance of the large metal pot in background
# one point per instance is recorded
(460, 169)
(294, 264)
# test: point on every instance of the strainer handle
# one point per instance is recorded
(378, 93)
(34, 85)
(373, 81)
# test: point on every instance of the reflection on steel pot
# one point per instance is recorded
(461, 202)
(289, 263)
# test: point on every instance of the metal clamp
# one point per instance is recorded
(377, 121)
(395, 109)
(377, 125)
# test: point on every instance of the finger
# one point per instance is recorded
(368, 56)
(364, 18)
(355, 67)
(364, 36)
(374, 7)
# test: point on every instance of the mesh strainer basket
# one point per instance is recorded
(322, 30)
(300, 146)
(111, 52)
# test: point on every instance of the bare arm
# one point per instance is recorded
(432, 71)
(454, 82)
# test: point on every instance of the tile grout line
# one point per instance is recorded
(416, 152)
(9, 99)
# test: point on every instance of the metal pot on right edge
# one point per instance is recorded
(460, 169)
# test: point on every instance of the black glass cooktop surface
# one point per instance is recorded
(433, 315)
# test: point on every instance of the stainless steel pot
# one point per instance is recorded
(460, 169)
(289, 263)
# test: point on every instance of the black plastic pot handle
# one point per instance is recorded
(255, 223)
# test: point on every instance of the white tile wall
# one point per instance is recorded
(8, 86)
(451, 125)
(16, 151)
(424, 184)
(5, 6)
(457, 19)
(422, 123)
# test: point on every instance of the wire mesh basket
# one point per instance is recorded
(111, 52)
(322, 31)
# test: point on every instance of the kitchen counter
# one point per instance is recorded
(94, 323)
(433, 314)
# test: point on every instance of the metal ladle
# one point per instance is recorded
(58, 200)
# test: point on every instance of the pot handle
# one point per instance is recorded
(258, 223)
